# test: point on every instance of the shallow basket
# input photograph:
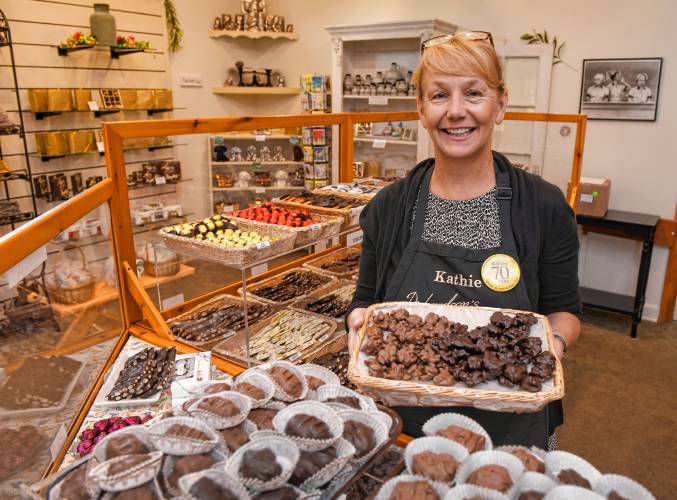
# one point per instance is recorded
(274, 280)
(351, 216)
(316, 264)
(486, 396)
(329, 226)
(76, 294)
(234, 256)
(323, 292)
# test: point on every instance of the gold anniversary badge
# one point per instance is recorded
(501, 272)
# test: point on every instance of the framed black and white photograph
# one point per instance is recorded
(620, 89)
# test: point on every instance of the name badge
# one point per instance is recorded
(501, 272)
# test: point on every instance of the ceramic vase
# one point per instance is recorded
(393, 74)
(102, 24)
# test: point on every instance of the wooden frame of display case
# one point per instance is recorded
(135, 304)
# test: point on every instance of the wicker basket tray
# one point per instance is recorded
(330, 225)
(274, 280)
(219, 299)
(318, 294)
(351, 216)
(240, 256)
(349, 196)
(158, 269)
(76, 294)
(316, 264)
(487, 396)
(234, 348)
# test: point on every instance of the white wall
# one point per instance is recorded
(636, 156)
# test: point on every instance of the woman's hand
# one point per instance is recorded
(355, 320)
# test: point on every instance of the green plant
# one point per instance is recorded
(129, 42)
(537, 37)
(174, 31)
(77, 39)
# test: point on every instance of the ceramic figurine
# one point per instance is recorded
(410, 75)
(251, 154)
(280, 81)
(412, 89)
(239, 22)
(268, 23)
(281, 177)
(372, 89)
(380, 89)
(367, 79)
(236, 154)
(264, 154)
(347, 83)
(393, 74)
(393, 90)
(227, 22)
(278, 156)
(388, 89)
(358, 80)
(401, 87)
(378, 79)
(243, 179)
(289, 28)
(217, 23)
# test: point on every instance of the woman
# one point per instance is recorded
(469, 208)
(640, 92)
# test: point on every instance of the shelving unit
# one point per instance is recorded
(261, 91)
(115, 52)
(388, 141)
(41, 115)
(254, 35)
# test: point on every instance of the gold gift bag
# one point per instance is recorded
(81, 98)
(51, 143)
(129, 98)
(59, 100)
(144, 98)
(161, 140)
(162, 99)
(81, 141)
(37, 99)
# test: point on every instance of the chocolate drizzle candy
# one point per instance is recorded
(219, 406)
(206, 489)
(361, 436)
(259, 464)
(287, 380)
(307, 426)
(311, 462)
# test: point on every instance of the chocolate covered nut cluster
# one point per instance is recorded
(405, 346)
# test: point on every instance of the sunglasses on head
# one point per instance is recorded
(473, 36)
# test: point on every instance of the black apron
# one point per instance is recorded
(426, 273)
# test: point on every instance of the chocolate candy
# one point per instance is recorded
(144, 374)
(531, 495)
(351, 401)
(126, 444)
(124, 464)
(531, 462)
(473, 442)
(73, 485)
(260, 464)
(307, 426)
(219, 406)
(206, 489)
(414, 490)
(287, 380)
(143, 492)
(436, 466)
(314, 383)
(284, 493)
(250, 390)
(292, 285)
(183, 431)
(220, 387)
(491, 476)
(217, 321)
(570, 476)
(311, 462)
(187, 465)
(337, 362)
(361, 436)
(262, 417)
(234, 437)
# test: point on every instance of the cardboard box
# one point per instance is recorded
(593, 196)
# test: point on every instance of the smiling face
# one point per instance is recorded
(459, 113)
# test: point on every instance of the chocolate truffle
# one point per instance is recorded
(531, 495)
(143, 492)
(414, 490)
(614, 495)
(219, 406)
(310, 462)
(351, 401)
(124, 464)
(234, 437)
(73, 485)
(187, 465)
(127, 444)
(491, 476)
(286, 380)
(436, 466)
(307, 426)
(531, 462)
(183, 431)
(284, 493)
(250, 390)
(214, 388)
(262, 418)
(570, 476)
(259, 464)
(473, 442)
(361, 436)
(206, 489)
(314, 383)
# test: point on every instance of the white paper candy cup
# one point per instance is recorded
(465, 491)
(317, 371)
(259, 380)
(537, 452)
(129, 478)
(181, 445)
(363, 417)
(280, 393)
(155, 485)
(622, 485)
(534, 481)
(286, 455)
(481, 458)
(344, 452)
(271, 405)
(218, 422)
(434, 444)
(316, 409)
(556, 461)
(138, 431)
(91, 487)
(327, 392)
(385, 419)
(247, 427)
(218, 476)
(168, 468)
(444, 420)
(568, 492)
(390, 485)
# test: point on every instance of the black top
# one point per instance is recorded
(543, 225)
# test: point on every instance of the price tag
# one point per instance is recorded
(334, 241)
(58, 442)
(261, 268)
(320, 245)
(229, 208)
(260, 138)
(379, 144)
(587, 198)
(160, 179)
(354, 238)
(100, 146)
(315, 226)
(93, 105)
(172, 301)
(294, 357)
(259, 190)
(21, 269)
(378, 100)
(262, 244)
(323, 337)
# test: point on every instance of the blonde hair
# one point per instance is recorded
(461, 57)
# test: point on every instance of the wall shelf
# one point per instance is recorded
(253, 35)
(41, 115)
(388, 140)
(115, 52)
(11, 219)
(278, 91)
(260, 188)
(252, 137)
(256, 163)
(390, 97)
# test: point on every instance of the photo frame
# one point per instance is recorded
(620, 89)
(408, 134)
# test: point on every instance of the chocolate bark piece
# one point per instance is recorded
(287, 380)
(570, 476)
(414, 490)
(284, 493)
(220, 387)
(361, 436)
(73, 485)
(351, 401)
(314, 383)
(307, 426)
(311, 462)
(435, 466)
(219, 406)
(184, 431)
(127, 444)
(143, 492)
(234, 437)
(472, 441)
(250, 390)
(206, 489)
(531, 462)
(260, 464)
(188, 464)
(491, 476)
(262, 417)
